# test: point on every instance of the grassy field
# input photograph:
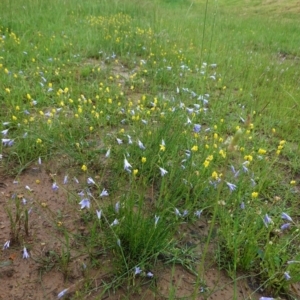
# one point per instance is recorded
(164, 113)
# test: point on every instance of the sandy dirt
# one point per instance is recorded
(40, 277)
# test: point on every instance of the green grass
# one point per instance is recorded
(102, 70)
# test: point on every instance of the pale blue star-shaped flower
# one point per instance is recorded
(114, 223)
(267, 220)
(285, 226)
(141, 145)
(7, 142)
(85, 203)
(104, 193)
(287, 276)
(163, 172)
(129, 139)
(149, 274)
(285, 216)
(197, 128)
(156, 219)
(6, 245)
(117, 207)
(90, 180)
(65, 179)
(107, 153)
(198, 213)
(99, 213)
(62, 293)
(231, 186)
(137, 270)
(25, 253)
(127, 165)
(54, 186)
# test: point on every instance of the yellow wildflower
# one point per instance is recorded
(210, 157)
(222, 153)
(214, 175)
(262, 151)
(282, 142)
(206, 163)
(162, 147)
(248, 157)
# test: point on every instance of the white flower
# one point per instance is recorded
(85, 203)
(117, 207)
(99, 213)
(90, 180)
(6, 245)
(188, 121)
(163, 172)
(198, 213)
(156, 220)
(127, 165)
(293, 262)
(104, 193)
(107, 153)
(119, 141)
(62, 293)
(177, 212)
(7, 142)
(54, 186)
(39, 161)
(25, 253)
(231, 186)
(141, 145)
(4, 132)
(115, 222)
(66, 179)
(129, 139)
(81, 194)
(287, 276)
(137, 270)
(28, 188)
(149, 274)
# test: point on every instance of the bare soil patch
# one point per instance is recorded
(42, 276)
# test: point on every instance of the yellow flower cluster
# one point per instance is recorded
(208, 160)
(280, 146)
